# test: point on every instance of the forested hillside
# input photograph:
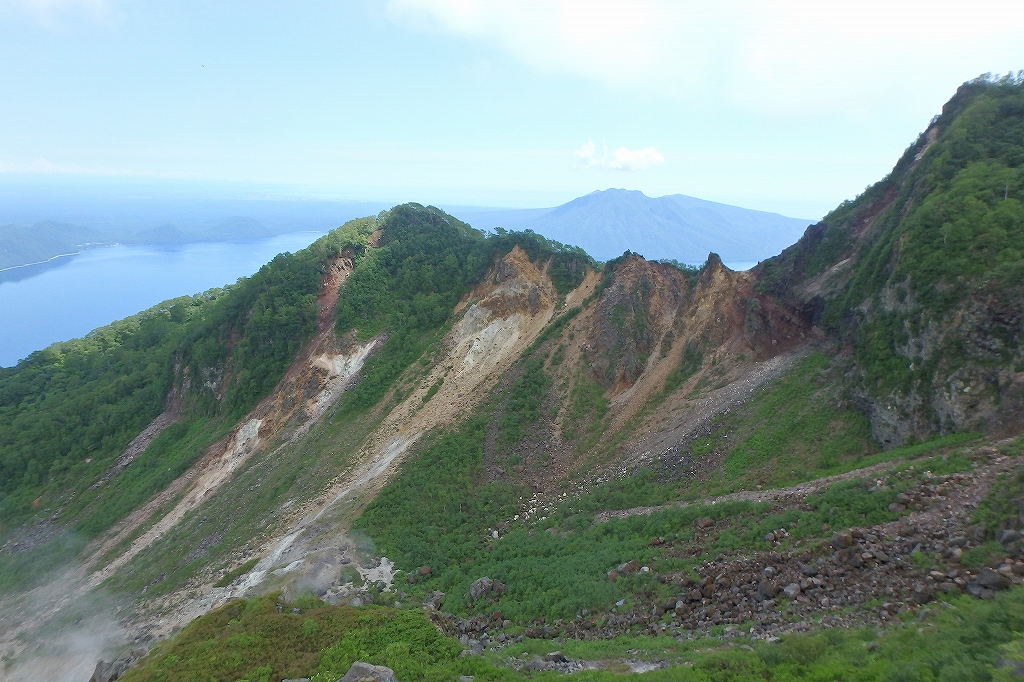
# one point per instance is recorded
(921, 276)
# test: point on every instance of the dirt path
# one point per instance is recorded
(798, 490)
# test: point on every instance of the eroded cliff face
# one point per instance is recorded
(648, 359)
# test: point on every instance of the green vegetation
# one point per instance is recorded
(70, 410)
(234, 573)
(73, 407)
(689, 364)
(947, 228)
(797, 430)
(585, 410)
(439, 512)
(524, 401)
(407, 287)
(261, 639)
(430, 514)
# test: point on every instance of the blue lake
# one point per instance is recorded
(68, 297)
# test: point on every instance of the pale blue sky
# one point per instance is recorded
(528, 103)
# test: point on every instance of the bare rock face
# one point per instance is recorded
(365, 672)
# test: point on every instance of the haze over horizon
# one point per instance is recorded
(498, 104)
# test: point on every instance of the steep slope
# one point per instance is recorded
(919, 279)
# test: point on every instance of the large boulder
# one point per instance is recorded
(482, 587)
(365, 672)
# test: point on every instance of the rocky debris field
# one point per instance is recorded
(854, 577)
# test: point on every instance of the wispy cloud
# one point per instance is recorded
(790, 55)
(623, 158)
(51, 13)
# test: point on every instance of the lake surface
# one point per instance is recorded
(68, 297)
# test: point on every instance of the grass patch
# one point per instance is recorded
(230, 576)
(263, 640)
(798, 430)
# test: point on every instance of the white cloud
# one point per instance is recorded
(623, 158)
(789, 55)
(49, 13)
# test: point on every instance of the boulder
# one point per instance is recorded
(365, 672)
(629, 568)
(766, 589)
(433, 602)
(842, 540)
(976, 590)
(1008, 536)
(703, 523)
(992, 580)
(423, 570)
(556, 657)
(480, 588)
(922, 593)
(792, 590)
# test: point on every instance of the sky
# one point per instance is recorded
(790, 106)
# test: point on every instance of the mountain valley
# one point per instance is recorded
(458, 453)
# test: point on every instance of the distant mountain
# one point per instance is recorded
(607, 223)
(39, 224)
(24, 244)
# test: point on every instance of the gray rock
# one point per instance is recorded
(1007, 536)
(480, 588)
(792, 590)
(922, 593)
(976, 589)
(433, 602)
(556, 657)
(992, 580)
(766, 589)
(365, 672)
(101, 673)
(809, 570)
(537, 664)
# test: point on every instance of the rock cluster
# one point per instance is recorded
(852, 577)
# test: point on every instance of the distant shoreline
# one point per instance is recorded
(26, 265)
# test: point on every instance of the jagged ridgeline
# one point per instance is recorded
(70, 411)
(921, 277)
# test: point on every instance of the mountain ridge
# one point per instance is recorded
(471, 429)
